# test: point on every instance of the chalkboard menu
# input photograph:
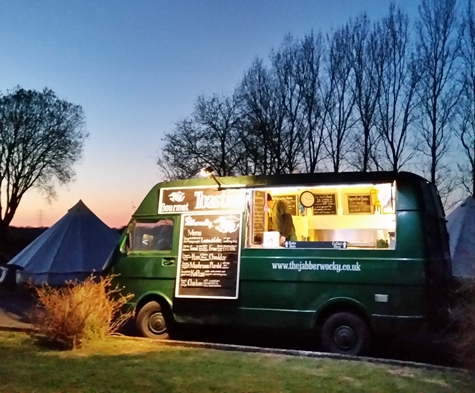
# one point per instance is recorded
(324, 204)
(359, 203)
(209, 256)
(258, 216)
(290, 200)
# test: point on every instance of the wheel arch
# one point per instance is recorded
(342, 304)
(164, 301)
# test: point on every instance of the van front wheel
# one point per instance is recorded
(151, 322)
(345, 333)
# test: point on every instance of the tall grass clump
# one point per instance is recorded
(80, 311)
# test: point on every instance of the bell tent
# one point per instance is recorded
(461, 228)
(74, 247)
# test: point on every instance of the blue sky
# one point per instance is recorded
(137, 67)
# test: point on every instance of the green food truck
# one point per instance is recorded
(369, 256)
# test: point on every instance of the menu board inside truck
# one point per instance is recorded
(325, 204)
(258, 216)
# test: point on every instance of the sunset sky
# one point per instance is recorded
(137, 67)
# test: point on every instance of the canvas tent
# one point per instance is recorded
(461, 228)
(75, 246)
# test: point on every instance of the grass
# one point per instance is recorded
(125, 365)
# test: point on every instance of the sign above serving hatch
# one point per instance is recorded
(187, 200)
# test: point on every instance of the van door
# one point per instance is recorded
(149, 257)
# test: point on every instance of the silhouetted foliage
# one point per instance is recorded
(438, 48)
(369, 95)
(466, 131)
(397, 101)
(211, 136)
(41, 138)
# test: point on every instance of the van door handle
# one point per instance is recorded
(168, 261)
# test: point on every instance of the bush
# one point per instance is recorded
(464, 341)
(80, 311)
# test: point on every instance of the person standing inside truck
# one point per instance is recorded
(280, 219)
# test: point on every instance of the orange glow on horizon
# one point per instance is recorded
(35, 212)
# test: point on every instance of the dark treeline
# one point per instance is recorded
(391, 94)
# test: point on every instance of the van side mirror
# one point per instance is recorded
(128, 243)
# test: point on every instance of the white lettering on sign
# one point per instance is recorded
(190, 221)
(218, 257)
(174, 208)
(309, 265)
(212, 240)
(199, 199)
(339, 244)
(220, 201)
(195, 283)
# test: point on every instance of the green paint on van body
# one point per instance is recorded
(391, 289)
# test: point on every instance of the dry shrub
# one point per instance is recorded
(464, 341)
(80, 311)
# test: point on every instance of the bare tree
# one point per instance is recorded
(266, 102)
(397, 99)
(466, 132)
(41, 138)
(314, 115)
(367, 61)
(181, 155)
(338, 99)
(438, 48)
(366, 96)
(281, 108)
(288, 93)
(211, 136)
(258, 110)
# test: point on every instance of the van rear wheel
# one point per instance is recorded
(345, 333)
(151, 322)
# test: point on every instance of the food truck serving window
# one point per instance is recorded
(151, 236)
(359, 216)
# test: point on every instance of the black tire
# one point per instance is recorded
(152, 322)
(345, 333)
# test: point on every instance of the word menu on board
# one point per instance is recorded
(209, 256)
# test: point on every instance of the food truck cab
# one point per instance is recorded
(371, 256)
